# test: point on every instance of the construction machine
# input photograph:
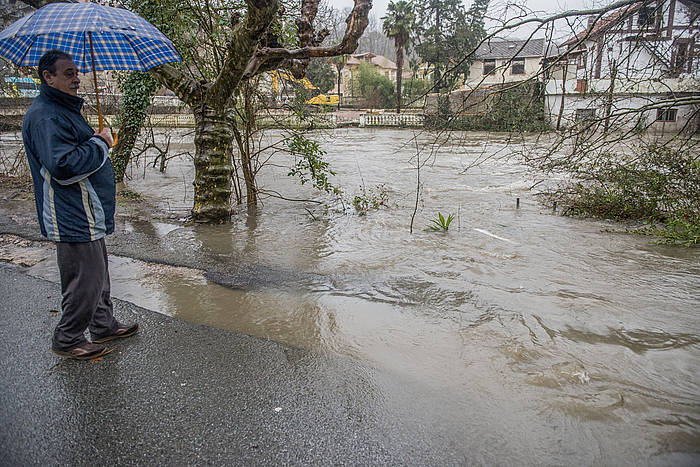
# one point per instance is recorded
(285, 86)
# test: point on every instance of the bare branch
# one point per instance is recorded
(267, 58)
(186, 89)
(244, 41)
(305, 29)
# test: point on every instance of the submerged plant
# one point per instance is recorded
(440, 223)
(371, 199)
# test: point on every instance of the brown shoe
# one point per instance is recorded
(86, 351)
(124, 330)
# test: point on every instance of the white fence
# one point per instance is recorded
(263, 120)
(401, 120)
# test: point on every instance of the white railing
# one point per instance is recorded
(188, 121)
(401, 120)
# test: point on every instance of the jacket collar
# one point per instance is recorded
(68, 101)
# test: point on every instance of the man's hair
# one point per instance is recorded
(48, 62)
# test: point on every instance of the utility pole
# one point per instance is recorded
(608, 106)
(565, 71)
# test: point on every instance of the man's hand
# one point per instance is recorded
(106, 134)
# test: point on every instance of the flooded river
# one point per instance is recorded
(548, 338)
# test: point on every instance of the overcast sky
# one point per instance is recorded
(500, 8)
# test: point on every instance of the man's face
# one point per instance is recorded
(66, 78)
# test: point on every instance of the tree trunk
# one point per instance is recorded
(121, 153)
(338, 91)
(246, 146)
(399, 71)
(212, 179)
(339, 67)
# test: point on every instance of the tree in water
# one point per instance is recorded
(339, 64)
(399, 24)
(224, 45)
(251, 40)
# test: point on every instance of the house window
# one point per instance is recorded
(645, 16)
(518, 67)
(585, 114)
(489, 66)
(649, 17)
(581, 60)
(680, 56)
(666, 115)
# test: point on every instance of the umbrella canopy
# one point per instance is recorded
(122, 40)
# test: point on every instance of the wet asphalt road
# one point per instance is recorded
(179, 393)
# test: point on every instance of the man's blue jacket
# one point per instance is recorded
(73, 176)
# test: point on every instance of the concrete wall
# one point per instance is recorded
(626, 111)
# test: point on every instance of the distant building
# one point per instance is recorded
(638, 66)
(500, 61)
(382, 64)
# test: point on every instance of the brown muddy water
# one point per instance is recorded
(581, 343)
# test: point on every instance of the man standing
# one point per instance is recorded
(74, 192)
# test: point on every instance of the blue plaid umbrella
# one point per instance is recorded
(97, 37)
(122, 40)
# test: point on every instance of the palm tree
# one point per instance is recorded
(399, 24)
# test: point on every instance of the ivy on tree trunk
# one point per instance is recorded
(138, 89)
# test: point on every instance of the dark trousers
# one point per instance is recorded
(86, 293)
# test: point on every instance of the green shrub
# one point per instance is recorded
(517, 109)
(659, 185)
(377, 90)
(441, 223)
(321, 74)
(309, 164)
(371, 199)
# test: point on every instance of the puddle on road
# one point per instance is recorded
(174, 291)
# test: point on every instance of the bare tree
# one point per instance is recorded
(622, 91)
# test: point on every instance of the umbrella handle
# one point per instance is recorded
(100, 120)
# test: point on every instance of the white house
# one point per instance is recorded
(636, 67)
(380, 63)
(499, 61)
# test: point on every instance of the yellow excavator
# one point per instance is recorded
(284, 85)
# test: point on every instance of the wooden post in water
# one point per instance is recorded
(517, 203)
